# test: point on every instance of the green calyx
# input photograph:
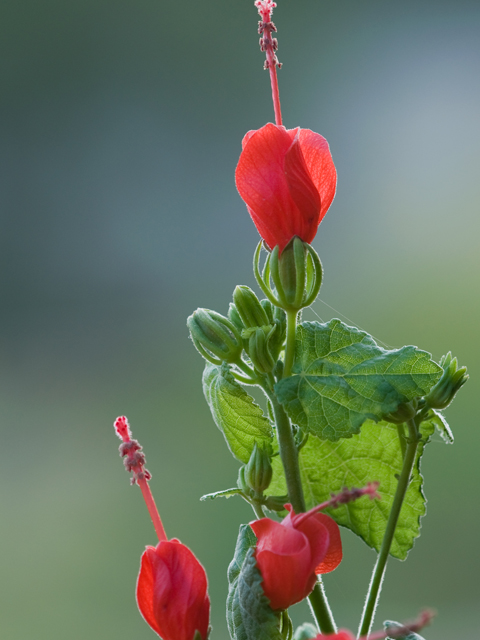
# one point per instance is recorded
(296, 274)
(215, 337)
(248, 307)
(258, 470)
(446, 388)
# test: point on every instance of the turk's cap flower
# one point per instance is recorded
(287, 179)
(172, 592)
(290, 553)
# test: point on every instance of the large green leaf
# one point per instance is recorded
(234, 412)
(249, 616)
(374, 454)
(341, 378)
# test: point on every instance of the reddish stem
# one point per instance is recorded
(152, 508)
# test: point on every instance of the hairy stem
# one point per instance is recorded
(290, 343)
(381, 564)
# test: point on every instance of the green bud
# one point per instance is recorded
(241, 482)
(258, 347)
(258, 470)
(405, 412)
(216, 338)
(442, 394)
(234, 317)
(296, 274)
(249, 308)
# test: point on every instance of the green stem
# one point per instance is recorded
(381, 564)
(290, 343)
(321, 609)
(258, 509)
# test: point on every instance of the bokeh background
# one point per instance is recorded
(121, 125)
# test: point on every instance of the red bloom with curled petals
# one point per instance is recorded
(287, 179)
(290, 553)
(172, 592)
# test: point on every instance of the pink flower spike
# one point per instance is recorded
(269, 45)
(123, 428)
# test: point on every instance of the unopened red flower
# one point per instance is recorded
(287, 179)
(290, 553)
(172, 592)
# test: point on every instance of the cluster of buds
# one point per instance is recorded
(453, 377)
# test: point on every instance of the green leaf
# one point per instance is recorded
(342, 378)
(374, 454)
(390, 625)
(249, 616)
(438, 419)
(235, 412)
(227, 493)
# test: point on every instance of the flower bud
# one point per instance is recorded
(234, 317)
(249, 308)
(214, 335)
(258, 347)
(442, 394)
(405, 412)
(296, 274)
(258, 471)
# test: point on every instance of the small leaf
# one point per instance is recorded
(227, 493)
(438, 419)
(235, 412)
(390, 625)
(374, 454)
(305, 632)
(342, 378)
(249, 616)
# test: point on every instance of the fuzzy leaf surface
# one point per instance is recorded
(442, 425)
(234, 412)
(249, 616)
(226, 493)
(374, 454)
(341, 378)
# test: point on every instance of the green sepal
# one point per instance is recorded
(374, 454)
(235, 412)
(249, 616)
(226, 493)
(341, 378)
(390, 625)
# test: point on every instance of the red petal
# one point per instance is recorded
(145, 590)
(318, 160)
(262, 184)
(172, 593)
(334, 553)
(303, 191)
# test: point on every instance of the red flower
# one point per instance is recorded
(287, 179)
(290, 553)
(172, 592)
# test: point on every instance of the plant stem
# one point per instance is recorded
(380, 566)
(257, 508)
(290, 343)
(289, 456)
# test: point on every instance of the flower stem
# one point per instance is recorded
(289, 456)
(381, 564)
(290, 343)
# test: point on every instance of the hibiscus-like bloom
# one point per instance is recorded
(172, 592)
(290, 553)
(287, 179)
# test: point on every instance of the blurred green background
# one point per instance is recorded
(121, 125)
